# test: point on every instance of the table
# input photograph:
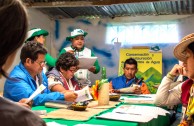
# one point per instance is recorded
(160, 121)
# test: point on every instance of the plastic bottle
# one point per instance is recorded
(103, 74)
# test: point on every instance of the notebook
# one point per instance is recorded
(58, 104)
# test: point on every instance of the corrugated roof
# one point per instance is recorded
(59, 9)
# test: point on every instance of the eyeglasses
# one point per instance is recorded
(42, 63)
(73, 70)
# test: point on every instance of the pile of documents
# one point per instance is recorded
(140, 99)
(134, 113)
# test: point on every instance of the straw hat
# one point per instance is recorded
(36, 32)
(75, 33)
(179, 50)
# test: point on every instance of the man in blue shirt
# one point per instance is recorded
(28, 76)
(124, 83)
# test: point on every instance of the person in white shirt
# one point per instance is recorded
(183, 92)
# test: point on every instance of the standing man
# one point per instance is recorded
(78, 48)
(124, 83)
(28, 76)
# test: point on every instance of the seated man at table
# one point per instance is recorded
(28, 76)
(124, 83)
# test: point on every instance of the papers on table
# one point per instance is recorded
(141, 99)
(54, 124)
(88, 125)
(134, 113)
(86, 62)
(38, 91)
(140, 95)
(137, 110)
(83, 95)
(125, 117)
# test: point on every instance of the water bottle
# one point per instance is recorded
(103, 74)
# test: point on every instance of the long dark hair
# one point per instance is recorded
(14, 25)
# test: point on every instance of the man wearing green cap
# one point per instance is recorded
(37, 34)
(78, 48)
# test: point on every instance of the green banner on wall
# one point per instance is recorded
(149, 65)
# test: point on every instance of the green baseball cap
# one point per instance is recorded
(75, 33)
(36, 32)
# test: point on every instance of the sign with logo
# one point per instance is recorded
(149, 65)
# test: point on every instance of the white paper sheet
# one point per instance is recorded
(38, 91)
(137, 109)
(88, 125)
(148, 95)
(134, 113)
(141, 99)
(54, 124)
(83, 94)
(141, 95)
(86, 62)
(125, 117)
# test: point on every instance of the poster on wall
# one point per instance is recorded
(149, 65)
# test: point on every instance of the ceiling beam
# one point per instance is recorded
(84, 3)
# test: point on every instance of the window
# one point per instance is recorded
(142, 33)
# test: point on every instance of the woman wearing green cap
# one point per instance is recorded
(78, 48)
(37, 34)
